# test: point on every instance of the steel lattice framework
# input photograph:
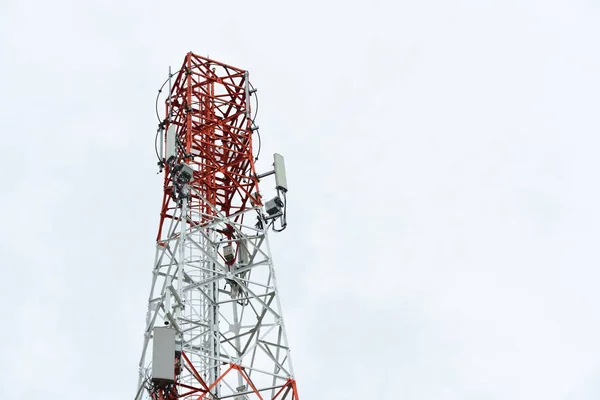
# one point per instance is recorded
(213, 280)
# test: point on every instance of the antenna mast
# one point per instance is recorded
(214, 327)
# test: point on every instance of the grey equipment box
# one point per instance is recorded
(163, 355)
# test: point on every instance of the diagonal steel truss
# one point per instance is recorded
(228, 316)
(213, 280)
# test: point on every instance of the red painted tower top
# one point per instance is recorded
(208, 111)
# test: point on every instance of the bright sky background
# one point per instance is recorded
(443, 172)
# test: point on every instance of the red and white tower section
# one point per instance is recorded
(214, 327)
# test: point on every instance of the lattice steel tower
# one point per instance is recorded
(214, 328)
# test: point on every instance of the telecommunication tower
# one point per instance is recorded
(214, 327)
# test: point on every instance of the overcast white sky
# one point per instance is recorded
(443, 172)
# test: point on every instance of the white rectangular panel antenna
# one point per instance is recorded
(171, 136)
(280, 178)
(163, 355)
(244, 253)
